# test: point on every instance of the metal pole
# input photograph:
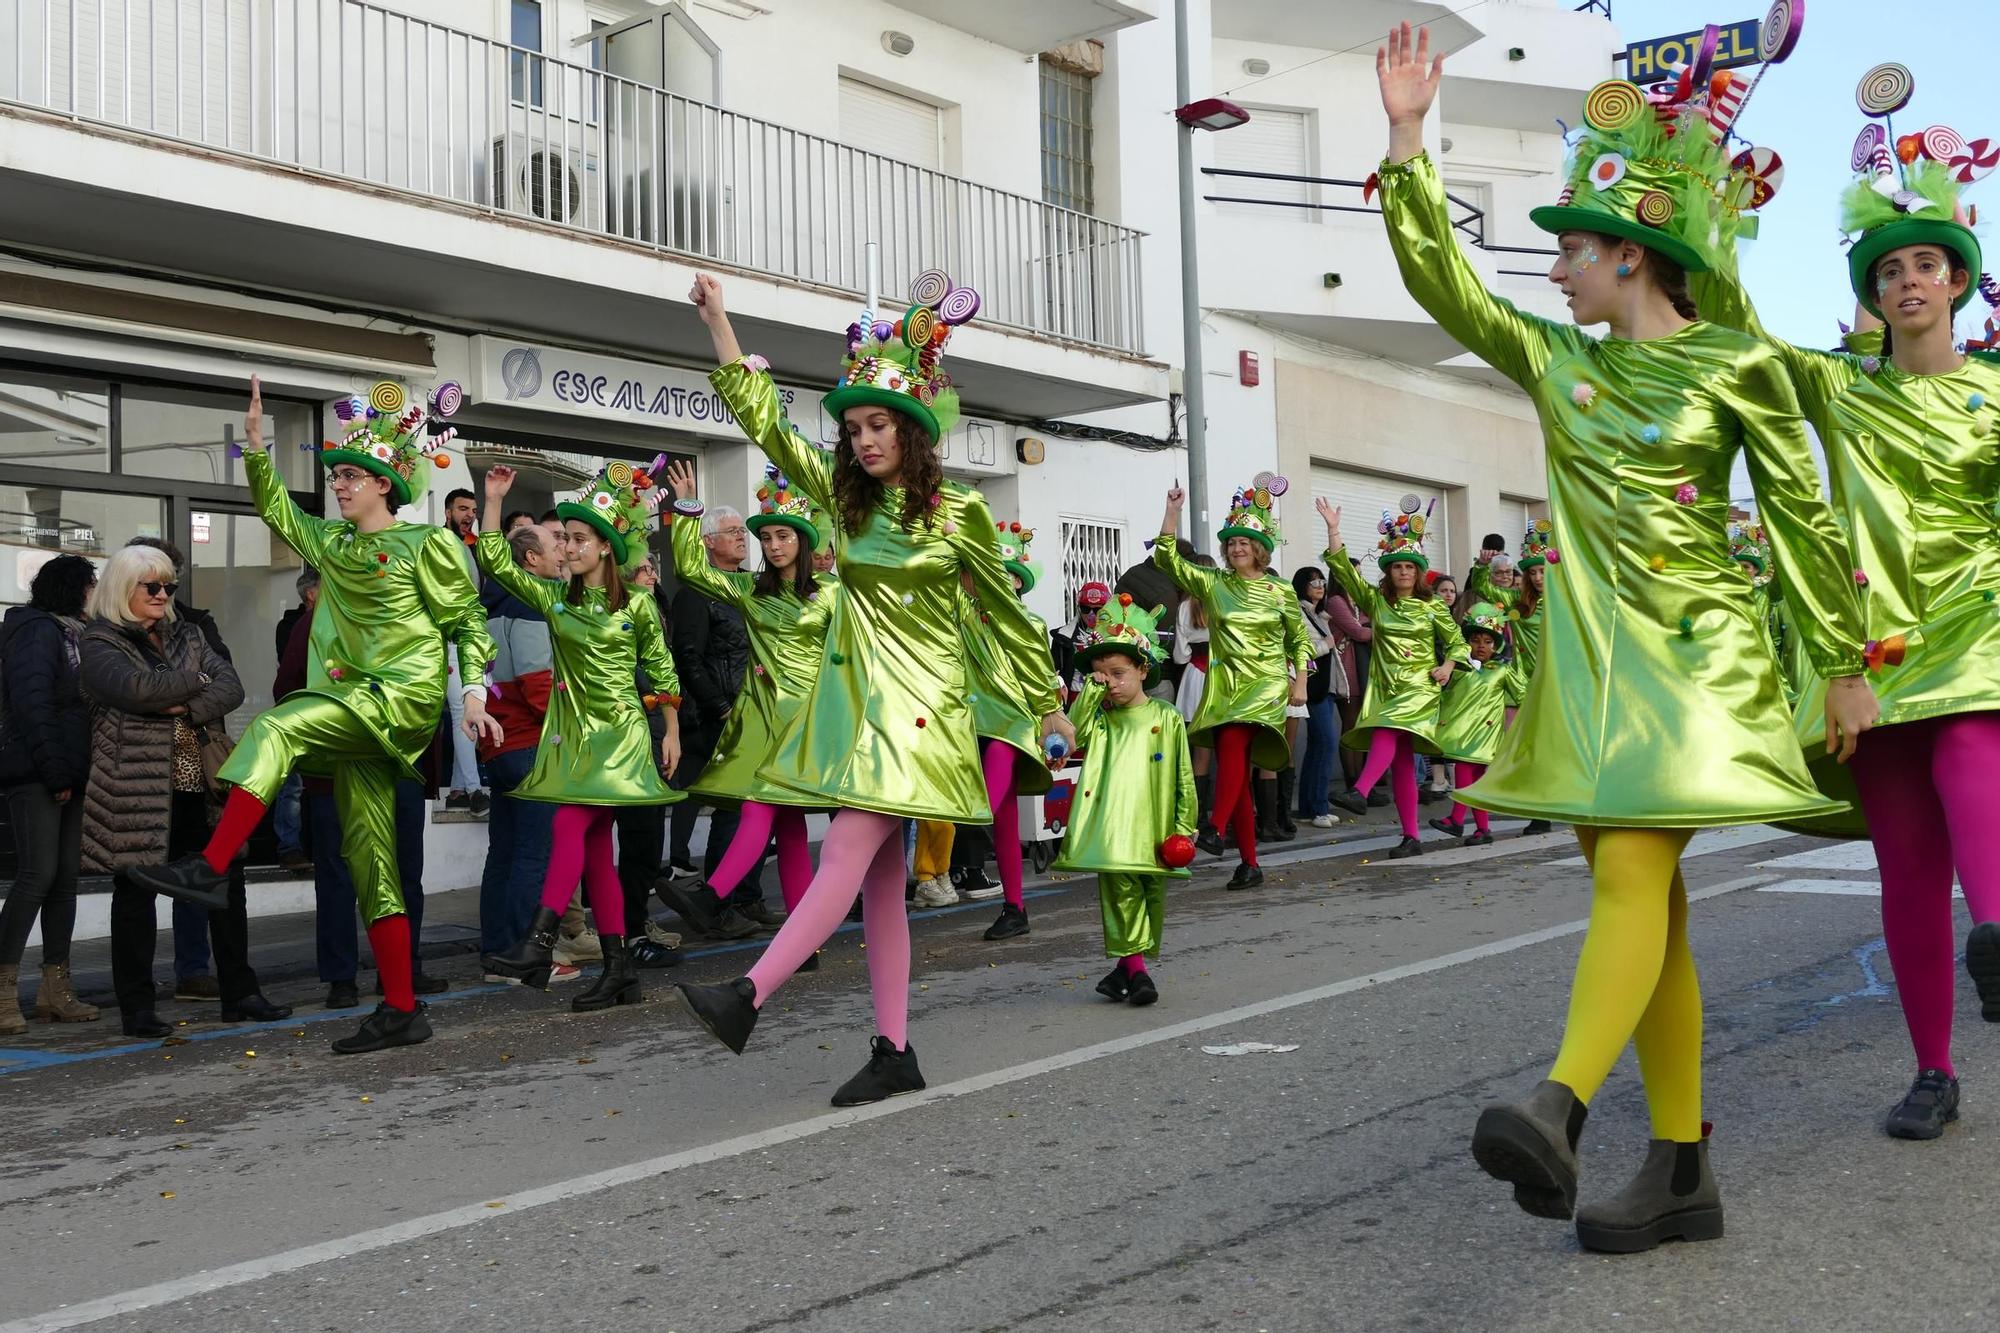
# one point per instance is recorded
(1191, 384)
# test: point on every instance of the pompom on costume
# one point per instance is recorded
(1134, 796)
(1685, 724)
(1914, 462)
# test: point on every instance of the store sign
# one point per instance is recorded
(200, 523)
(509, 374)
(1657, 58)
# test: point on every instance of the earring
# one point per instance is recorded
(1624, 270)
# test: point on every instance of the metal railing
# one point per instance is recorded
(352, 90)
(1471, 224)
(1595, 7)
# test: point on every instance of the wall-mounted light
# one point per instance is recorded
(1257, 67)
(1444, 145)
(898, 43)
(1030, 450)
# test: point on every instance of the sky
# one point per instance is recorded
(1804, 110)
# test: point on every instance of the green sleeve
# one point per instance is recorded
(753, 397)
(1514, 685)
(1086, 715)
(1024, 644)
(495, 558)
(654, 659)
(1480, 584)
(1444, 283)
(1819, 377)
(1298, 643)
(453, 602)
(1194, 580)
(1173, 734)
(301, 531)
(1812, 555)
(692, 567)
(1449, 636)
(1366, 599)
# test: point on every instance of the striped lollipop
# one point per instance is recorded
(1885, 89)
(959, 305)
(1615, 104)
(1976, 162)
(930, 287)
(1654, 208)
(447, 398)
(1780, 33)
(1865, 144)
(1942, 143)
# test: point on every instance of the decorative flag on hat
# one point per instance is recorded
(1251, 514)
(897, 365)
(390, 436)
(1120, 626)
(1537, 547)
(1014, 541)
(779, 502)
(612, 504)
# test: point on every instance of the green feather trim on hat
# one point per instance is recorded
(1930, 213)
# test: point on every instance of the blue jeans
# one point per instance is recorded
(336, 937)
(517, 854)
(285, 814)
(1316, 770)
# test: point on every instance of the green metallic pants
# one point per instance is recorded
(1135, 910)
(364, 786)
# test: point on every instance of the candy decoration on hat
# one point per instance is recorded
(391, 438)
(1976, 161)
(1748, 544)
(614, 506)
(1866, 144)
(1726, 94)
(1918, 205)
(959, 305)
(1758, 173)
(1402, 537)
(1654, 208)
(1615, 104)
(1250, 513)
(446, 399)
(1122, 626)
(1885, 89)
(930, 287)
(1941, 143)
(1537, 547)
(897, 365)
(780, 502)
(1013, 540)
(1779, 35)
(386, 397)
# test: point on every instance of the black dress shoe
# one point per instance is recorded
(1432, 795)
(144, 1023)
(1451, 826)
(1247, 876)
(1480, 840)
(770, 918)
(1930, 1105)
(1209, 840)
(1377, 799)
(728, 1010)
(1350, 800)
(1012, 921)
(188, 880)
(1407, 847)
(889, 1073)
(254, 1008)
(1535, 826)
(1115, 984)
(1982, 961)
(1143, 991)
(699, 906)
(384, 1028)
(342, 995)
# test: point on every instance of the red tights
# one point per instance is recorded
(1232, 787)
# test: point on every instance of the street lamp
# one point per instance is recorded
(1210, 113)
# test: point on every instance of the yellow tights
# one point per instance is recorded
(1635, 980)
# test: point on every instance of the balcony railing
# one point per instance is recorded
(1471, 223)
(351, 90)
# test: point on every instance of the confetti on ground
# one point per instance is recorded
(1249, 1048)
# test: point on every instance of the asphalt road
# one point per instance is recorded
(1075, 1165)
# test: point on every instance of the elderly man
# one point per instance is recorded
(517, 845)
(461, 519)
(712, 654)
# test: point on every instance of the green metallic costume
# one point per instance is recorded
(995, 715)
(1408, 632)
(1135, 790)
(376, 679)
(1659, 707)
(596, 747)
(1473, 713)
(1524, 632)
(1255, 631)
(787, 643)
(887, 726)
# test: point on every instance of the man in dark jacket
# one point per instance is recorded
(711, 651)
(285, 810)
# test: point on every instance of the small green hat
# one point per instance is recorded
(1919, 207)
(781, 503)
(1014, 541)
(389, 435)
(1748, 543)
(1121, 626)
(1486, 618)
(1537, 548)
(611, 504)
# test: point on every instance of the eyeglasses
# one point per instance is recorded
(347, 476)
(155, 588)
(732, 532)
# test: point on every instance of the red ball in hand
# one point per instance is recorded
(1177, 852)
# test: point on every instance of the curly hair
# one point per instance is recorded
(857, 495)
(62, 585)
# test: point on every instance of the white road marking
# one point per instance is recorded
(1843, 888)
(512, 1205)
(1441, 853)
(1838, 856)
(1712, 840)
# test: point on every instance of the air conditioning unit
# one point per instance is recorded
(551, 181)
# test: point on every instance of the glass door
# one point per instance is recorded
(247, 579)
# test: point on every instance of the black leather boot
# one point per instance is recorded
(888, 1073)
(1531, 1144)
(1674, 1197)
(1264, 796)
(617, 980)
(1982, 963)
(530, 960)
(1288, 799)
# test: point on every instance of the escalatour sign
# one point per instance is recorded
(1655, 59)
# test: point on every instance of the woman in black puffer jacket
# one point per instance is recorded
(44, 761)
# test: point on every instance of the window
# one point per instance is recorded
(1471, 207)
(1363, 497)
(1067, 180)
(1272, 143)
(891, 124)
(51, 421)
(192, 435)
(1093, 551)
(525, 69)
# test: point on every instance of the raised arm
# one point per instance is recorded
(298, 529)
(1819, 377)
(1193, 580)
(1024, 643)
(495, 555)
(1365, 598)
(691, 557)
(745, 384)
(1813, 558)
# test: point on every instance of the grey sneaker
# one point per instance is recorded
(582, 947)
(936, 892)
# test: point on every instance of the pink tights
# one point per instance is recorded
(753, 830)
(1927, 789)
(862, 851)
(1000, 791)
(1394, 752)
(1464, 776)
(580, 848)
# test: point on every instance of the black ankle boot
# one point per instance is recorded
(889, 1073)
(1209, 840)
(1264, 797)
(1982, 962)
(728, 1010)
(1247, 876)
(187, 880)
(530, 960)
(1288, 803)
(1350, 800)
(617, 979)
(1531, 1144)
(1674, 1197)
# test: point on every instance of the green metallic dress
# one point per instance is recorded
(1255, 631)
(887, 726)
(995, 716)
(1658, 706)
(1915, 466)
(1409, 631)
(787, 642)
(1524, 632)
(388, 603)
(596, 747)
(1473, 713)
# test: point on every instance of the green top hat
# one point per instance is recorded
(1536, 548)
(1402, 536)
(1251, 514)
(1486, 618)
(389, 436)
(1748, 544)
(779, 503)
(1121, 626)
(1014, 541)
(611, 505)
(1921, 206)
(896, 365)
